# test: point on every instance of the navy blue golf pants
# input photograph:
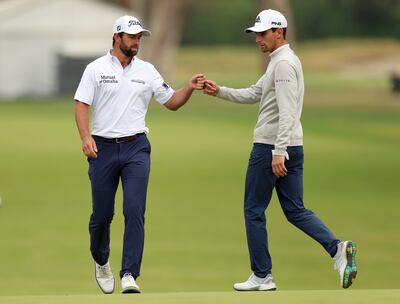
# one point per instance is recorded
(260, 182)
(130, 163)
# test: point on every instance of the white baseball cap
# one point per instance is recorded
(129, 25)
(266, 20)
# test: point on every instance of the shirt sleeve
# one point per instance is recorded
(86, 87)
(286, 97)
(249, 95)
(162, 92)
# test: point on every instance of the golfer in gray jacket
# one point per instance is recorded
(276, 160)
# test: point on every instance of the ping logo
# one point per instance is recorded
(134, 22)
(258, 19)
(276, 23)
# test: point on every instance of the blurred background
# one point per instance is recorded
(195, 238)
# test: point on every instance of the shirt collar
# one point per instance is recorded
(114, 59)
(279, 50)
(111, 57)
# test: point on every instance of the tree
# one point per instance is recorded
(166, 22)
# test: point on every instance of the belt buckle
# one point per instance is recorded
(119, 140)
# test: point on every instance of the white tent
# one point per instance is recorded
(35, 34)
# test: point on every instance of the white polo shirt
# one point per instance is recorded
(120, 96)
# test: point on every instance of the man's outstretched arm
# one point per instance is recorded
(181, 96)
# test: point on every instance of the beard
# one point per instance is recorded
(127, 51)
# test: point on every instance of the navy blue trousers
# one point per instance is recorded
(260, 182)
(130, 163)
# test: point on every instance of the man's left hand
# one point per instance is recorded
(197, 82)
(278, 165)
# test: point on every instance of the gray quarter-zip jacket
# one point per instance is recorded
(280, 92)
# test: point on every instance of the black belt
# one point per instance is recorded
(118, 140)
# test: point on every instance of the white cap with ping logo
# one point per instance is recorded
(129, 25)
(266, 20)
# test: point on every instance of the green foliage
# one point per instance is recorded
(346, 18)
(222, 22)
(218, 22)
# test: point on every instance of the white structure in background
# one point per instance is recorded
(41, 39)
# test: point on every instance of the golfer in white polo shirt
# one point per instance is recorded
(118, 87)
(276, 160)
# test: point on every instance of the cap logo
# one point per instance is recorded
(118, 28)
(258, 19)
(134, 22)
(276, 23)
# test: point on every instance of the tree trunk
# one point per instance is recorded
(166, 24)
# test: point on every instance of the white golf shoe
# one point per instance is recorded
(345, 262)
(104, 277)
(255, 283)
(128, 284)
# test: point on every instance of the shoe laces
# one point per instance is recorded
(128, 276)
(105, 270)
(255, 279)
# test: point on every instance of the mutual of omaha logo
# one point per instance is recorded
(108, 79)
(165, 86)
(258, 19)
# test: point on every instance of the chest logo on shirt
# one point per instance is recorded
(108, 79)
(138, 81)
(282, 80)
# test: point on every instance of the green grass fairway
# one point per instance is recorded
(287, 297)
(195, 246)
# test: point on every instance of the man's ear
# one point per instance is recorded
(280, 32)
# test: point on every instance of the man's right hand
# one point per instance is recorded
(89, 147)
(210, 87)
